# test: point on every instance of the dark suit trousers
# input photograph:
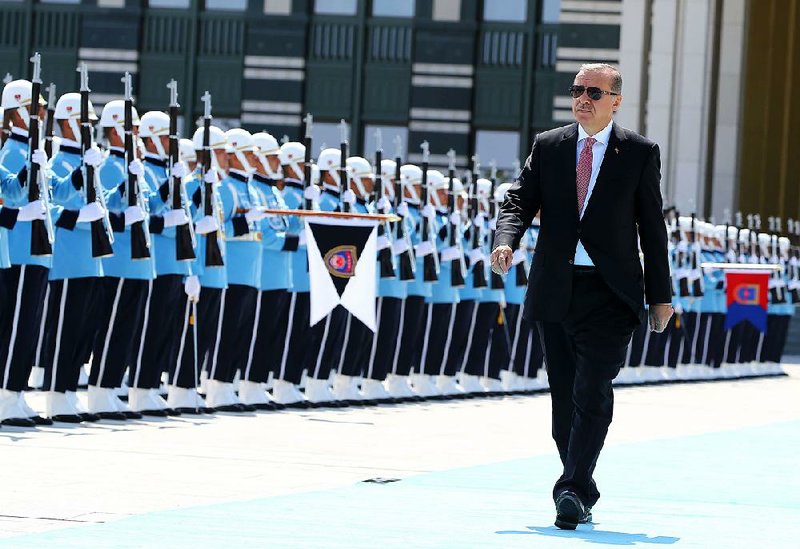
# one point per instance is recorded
(584, 353)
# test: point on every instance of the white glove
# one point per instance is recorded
(455, 219)
(400, 246)
(450, 253)
(518, 257)
(211, 177)
(301, 238)
(31, 210)
(312, 193)
(254, 215)
(383, 242)
(424, 248)
(402, 209)
(40, 157)
(349, 197)
(206, 224)
(192, 288)
(479, 220)
(428, 212)
(93, 157)
(136, 167)
(91, 212)
(175, 218)
(179, 170)
(476, 255)
(384, 205)
(133, 214)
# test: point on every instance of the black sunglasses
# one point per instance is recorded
(594, 93)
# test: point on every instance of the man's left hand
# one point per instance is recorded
(659, 316)
(501, 259)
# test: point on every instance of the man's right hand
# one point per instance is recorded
(501, 259)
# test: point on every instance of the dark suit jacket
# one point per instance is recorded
(626, 200)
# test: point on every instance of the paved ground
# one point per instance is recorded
(298, 463)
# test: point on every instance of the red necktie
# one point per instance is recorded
(584, 171)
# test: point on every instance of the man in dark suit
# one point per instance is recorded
(596, 186)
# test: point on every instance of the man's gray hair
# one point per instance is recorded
(610, 70)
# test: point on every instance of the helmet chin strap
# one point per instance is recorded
(364, 195)
(159, 147)
(388, 189)
(25, 114)
(76, 131)
(298, 173)
(436, 202)
(413, 194)
(272, 174)
(246, 167)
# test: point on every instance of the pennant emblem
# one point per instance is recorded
(747, 294)
(747, 298)
(341, 261)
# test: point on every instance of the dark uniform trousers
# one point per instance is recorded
(775, 338)
(238, 310)
(159, 331)
(526, 355)
(584, 353)
(207, 324)
(412, 326)
(372, 354)
(443, 327)
(327, 337)
(23, 290)
(267, 341)
(481, 344)
(295, 345)
(70, 317)
(121, 303)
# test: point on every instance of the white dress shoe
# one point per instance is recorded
(372, 389)
(471, 384)
(423, 384)
(286, 393)
(345, 388)
(318, 391)
(399, 387)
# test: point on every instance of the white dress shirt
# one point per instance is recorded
(598, 151)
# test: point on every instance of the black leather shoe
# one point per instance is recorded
(570, 511)
(130, 414)
(172, 412)
(67, 418)
(246, 407)
(18, 422)
(116, 416)
(154, 413)
(39, 420)
(236, 408)
(88, 416)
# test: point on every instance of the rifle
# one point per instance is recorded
(696, 275)
(406, 259)
(184, 234)
(213, 250)
(430, 262)
(140, 236)
(344, 184)
(102, 235)
(7, 117)
(384, 254)
(456, 265)
(473, 210)
(49, 121)
(496, 281)
(307, 163)
(41, 230)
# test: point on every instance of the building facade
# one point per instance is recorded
(478, 76)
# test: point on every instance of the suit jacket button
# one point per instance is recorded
(570, 262)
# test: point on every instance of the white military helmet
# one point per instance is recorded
(154, 124)
(113, 115)
(500, 192)
(186, 150)
(483, 188)
(764, 239)
(744, 236)
(388, 169)
(17, 95)
(732, 231)
(267, 146)
(329, 160)
(240, 141)
(68, 108)
(359, 168)
(216, 138)
(784, 244)
(685, 223)
(315, 174)
(720, 232)
(291, 154)
(436, 181)
(410, 176)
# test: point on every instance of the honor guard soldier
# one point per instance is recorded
(77, 267)
(272, 307)
(412, 310)
(212, 278)
(23, 283)
(242, 212)
(123, 290)
(296, 343)
(160, 327)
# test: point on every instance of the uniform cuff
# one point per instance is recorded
(8, 217)
(291, 243)
(240, 226)
(68, 219)
(156, 224)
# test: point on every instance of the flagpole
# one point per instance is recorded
(378, 218)
(742, 266)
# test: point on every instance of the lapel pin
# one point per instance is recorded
(616, 150)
